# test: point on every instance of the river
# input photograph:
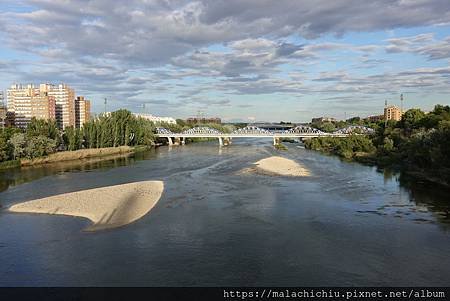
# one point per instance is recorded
(347, 224)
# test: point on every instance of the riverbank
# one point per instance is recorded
(107, 207)
(371, 159)
(82, 154)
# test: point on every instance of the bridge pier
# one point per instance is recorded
(170, 141)
(276, 140)
(226, 141)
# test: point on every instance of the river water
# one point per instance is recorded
(347, 224)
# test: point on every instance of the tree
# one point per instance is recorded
(4, 148)
(72, 138)
(412, 119)
(18, 144)
(40, 146)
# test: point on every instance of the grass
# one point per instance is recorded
(281, 147)
(9, 164)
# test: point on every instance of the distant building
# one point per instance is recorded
(153, 118)
(392, 113)
(44, 102)
(196, 120)
(82, 111)
(375, 118)
(26, 102)
(3, 112)
(323, 119)
(274, 126)
(65, 103)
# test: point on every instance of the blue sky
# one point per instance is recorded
(239, 60)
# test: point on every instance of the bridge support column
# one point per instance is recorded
(220, 141)
(226, 141)
(183, 140)
(276, 140)
(170, 140)
(177, 141)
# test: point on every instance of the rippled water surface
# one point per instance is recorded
(347, 224)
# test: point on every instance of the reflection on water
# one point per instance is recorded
(346, 224)
(17, 176)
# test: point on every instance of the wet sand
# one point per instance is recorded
(106, 207)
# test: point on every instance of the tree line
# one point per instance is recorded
(42, 137)
(418, 143)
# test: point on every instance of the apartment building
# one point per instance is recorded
(64, 103)
(82, 111)
(26, 102)
(45, 101)
(392, 113)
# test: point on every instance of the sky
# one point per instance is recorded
(240, 60)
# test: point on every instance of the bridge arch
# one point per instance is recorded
(355, 129)
(302, 129)
(164, 131)
(251, 130)
(202, 130)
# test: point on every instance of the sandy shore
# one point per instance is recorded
(280, 166)
(80, 154)
(106, 207)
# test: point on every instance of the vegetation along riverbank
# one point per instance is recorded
(418, 144)
(42, 142)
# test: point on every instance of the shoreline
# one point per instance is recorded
(368, 159)
(106, 207)
(77, 155)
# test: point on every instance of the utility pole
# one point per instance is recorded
(105, 105)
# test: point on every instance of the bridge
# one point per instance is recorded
(300, 132)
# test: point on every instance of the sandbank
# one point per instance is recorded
(106, 207)
(281, 166)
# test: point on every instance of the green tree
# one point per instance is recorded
(18, 144)
(412, 119)
(4, 147)
(39, 146)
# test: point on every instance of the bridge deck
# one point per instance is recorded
(275, 135)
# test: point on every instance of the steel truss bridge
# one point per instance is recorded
(299, 132)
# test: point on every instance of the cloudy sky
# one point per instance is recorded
(236, 59)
